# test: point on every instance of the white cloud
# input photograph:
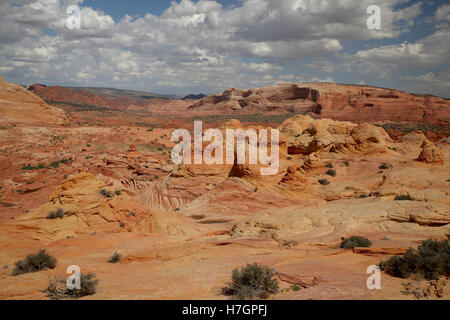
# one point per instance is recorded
(202, 44)
(443, 13)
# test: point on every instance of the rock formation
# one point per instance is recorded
(431, 153)
(17, 105)
(330, 100)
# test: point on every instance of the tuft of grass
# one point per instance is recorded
(430, 261)
(331, 173)
(355, 241)
(56, 214)
(115, 258)
(324, 182)
(253, 281)
(403, 198)
(34, 263)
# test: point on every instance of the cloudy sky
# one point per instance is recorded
(184, 46)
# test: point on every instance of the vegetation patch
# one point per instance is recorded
(331, 173)
(384, 166)
(403, 198)
(34, 263)
(56, 214)
(324, 182)
(53, 165)
(355, 242)
(430, 261)
(57, 288)
(252, 282)
(107, 194)
(115, 258)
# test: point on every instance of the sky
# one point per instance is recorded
(186, 46)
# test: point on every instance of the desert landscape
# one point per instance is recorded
(87, 176)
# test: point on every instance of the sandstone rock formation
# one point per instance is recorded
(17, 105)
(331, 100)
(306, 135)
(431, 153)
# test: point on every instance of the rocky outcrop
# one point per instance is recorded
(91, 205)
(305, 135)
(431, 153)
(17, 105)
(329, 100)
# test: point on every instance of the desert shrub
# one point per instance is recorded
(290, 243)
(115, 258)
(429, 261)
(355, 241)
(347, 164)
(57, 288)
(383, 167)
(289, 158)
(118, 192)
(329, 165)
(402, 198)
(331, 172)
(34, 263)
(324, 182)
(106, 193)
(252, 281)
(133, 213)
(56, 214)
(362, 195)
(296, 287)
(122, 224)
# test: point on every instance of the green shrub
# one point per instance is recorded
(403, 198)
(383, 167)
(118, 192)
(252, 281)
(355, 241)
(324, 182)
(56, 214)
(34, 263)
(132, 213)
(329, 165)
(106, 193)
(429, 261)
(331, 172)
(346, 163)
(115, 258)
(289, 158)
(122, 224)
(296, 287)
(363, 195)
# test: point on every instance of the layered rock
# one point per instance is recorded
(17, 105)
(306, 135)
(431, 153)
(336, 101)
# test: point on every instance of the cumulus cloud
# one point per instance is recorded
(203, 46)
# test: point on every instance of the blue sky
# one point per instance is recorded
(189, 46)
